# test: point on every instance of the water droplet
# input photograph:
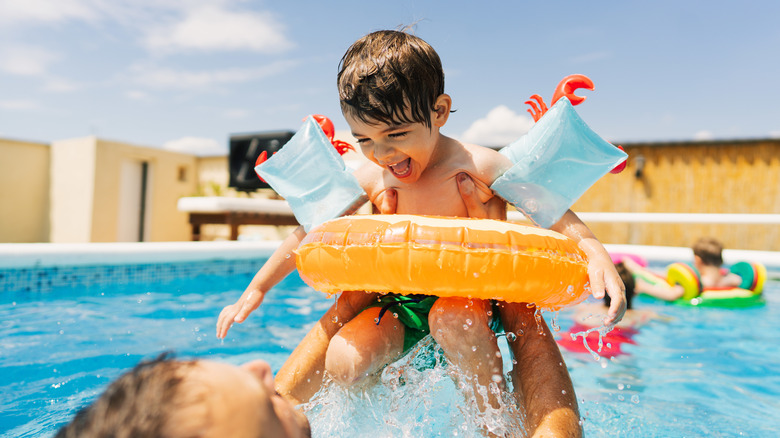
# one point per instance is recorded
(563, 391)
(469, 322)
(317, 372)
(465, 327)
(635, 398)
(498, 354)
(473, 348)
(511, 337)
(496, 378)
(476, 275)
(335, 319)
(621, 398)
(62, 332)
(376, 320)
(621, 386)
(489, 313)
(395, 315)
(287, 256)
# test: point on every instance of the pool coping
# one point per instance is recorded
(20, 255)
(17, 255)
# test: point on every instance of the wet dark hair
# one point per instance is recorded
(628, 281)
(709, 250)
(390, 77)
(134, 405)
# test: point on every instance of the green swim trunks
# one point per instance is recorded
(412, 311)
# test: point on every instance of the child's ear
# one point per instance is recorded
(441, 110)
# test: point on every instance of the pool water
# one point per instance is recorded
(702, 372)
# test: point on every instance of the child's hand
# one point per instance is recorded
(238, 312)
(604, 278)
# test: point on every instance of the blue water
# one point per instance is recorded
(702, 372)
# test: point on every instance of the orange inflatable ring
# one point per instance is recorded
(473, 258)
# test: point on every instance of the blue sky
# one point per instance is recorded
(186, 74)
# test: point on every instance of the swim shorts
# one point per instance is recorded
(412, 311)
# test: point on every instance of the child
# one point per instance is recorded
(391, 87)
(588, 317)
(707, 259)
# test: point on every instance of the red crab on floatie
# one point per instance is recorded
(567, 87)
(327, 127)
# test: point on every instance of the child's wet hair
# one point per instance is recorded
(709, 250)
(390, 77)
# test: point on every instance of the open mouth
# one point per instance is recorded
(401, 169)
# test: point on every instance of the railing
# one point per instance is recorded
(669, 218)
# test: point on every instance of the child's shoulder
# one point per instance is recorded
(488, 163)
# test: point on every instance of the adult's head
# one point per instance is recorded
(169, 398)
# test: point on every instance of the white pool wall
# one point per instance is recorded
(62, 254)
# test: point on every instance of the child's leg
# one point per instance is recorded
(301, 375)
(362, 347)
(461, 326)
(541, 381)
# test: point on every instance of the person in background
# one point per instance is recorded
(589, 316)
(708, 261)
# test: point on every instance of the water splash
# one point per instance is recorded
(413, 397)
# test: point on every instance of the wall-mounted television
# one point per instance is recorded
(244, 150)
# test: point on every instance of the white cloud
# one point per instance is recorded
(26, 60)
(157, 77)
(703, 135)
(211, 28)
(500, 127)
(197, 146)
(16, 12)
(60, 85)
(20, 104)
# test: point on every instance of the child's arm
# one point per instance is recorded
(659, 290)
(601, 271)
(278, 266)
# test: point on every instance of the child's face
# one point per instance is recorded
(404, 150)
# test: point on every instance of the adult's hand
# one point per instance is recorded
(494, 208)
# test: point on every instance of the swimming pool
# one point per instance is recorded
(66, 331)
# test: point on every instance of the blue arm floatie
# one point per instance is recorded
(309, 173)
(555, 163)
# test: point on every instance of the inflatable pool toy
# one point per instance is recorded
(309, 173)
(748, 294)
(554, 164)
(474, 258)
(584, 339)
(618, 257)
(557, 160)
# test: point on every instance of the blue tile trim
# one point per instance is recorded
(47, 278)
